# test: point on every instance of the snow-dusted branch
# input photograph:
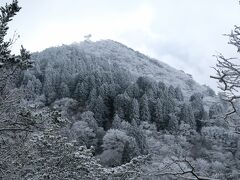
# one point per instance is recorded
(228, 72)
(180, 168)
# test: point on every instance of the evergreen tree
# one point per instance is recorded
(137, 134)
(81, 92)
(168, 105)
(171, 92)
(104, 91)
(198, 109)
(116, 124)
(158, 117)
(64, 90)
(101, 112)
(49, 87)
(88, 117)
(134, 115)
(144, 83)
(30, 90)
(133, 90)
(179, 94)
(37, 86)
(120, 113)
(121, 106)
(92, 97)
(126, 156)
(162, 86)
(144, 109)
(215, 110)
(7, 60)
(187, 116)
(16, 120)
(173, 124)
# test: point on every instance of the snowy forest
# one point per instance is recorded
(101, 110)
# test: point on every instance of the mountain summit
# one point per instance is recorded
(107, 54)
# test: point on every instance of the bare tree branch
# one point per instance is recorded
(185, 170)
(228, 73)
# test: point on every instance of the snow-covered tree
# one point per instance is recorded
(52, 156)
(64, 90)
(228, 74)
(171, 92)
(187, 116)
(144, 109)
(134, 114)
(83, 134)
(92, 97)
(162, 86)
(158, 117)
(88, 117)
(100, 111)
(139, 136)
(49, 87)
(133, 90)
(179, 94)
(16, 121)
(81, 92)
(173, 125)
(144, 83)
(215, 110)
(121, 106)
(198, 109)
(116, 123)
(118, 148)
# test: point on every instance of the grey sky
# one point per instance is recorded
(184, 34)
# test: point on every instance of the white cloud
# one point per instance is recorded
(55, 32)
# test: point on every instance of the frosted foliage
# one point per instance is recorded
(114, 145)
(60, 159)
(89, 100)
(116, 124)
(83, 134)
(135, 116)
(145, 113)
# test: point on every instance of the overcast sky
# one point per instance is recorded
(183, 33)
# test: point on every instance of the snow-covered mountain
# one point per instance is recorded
(117, 55)
(126, 104)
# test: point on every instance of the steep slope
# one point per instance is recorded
(140, 65)
(124, 104)
(117, 55)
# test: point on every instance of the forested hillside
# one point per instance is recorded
(101, 110)
(124, 105)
